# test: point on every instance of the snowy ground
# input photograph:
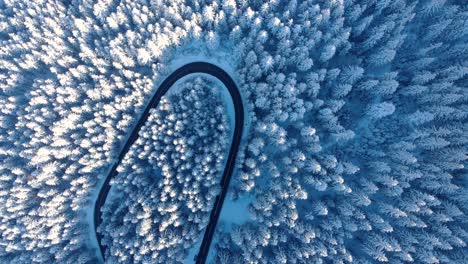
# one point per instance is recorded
(194, 250)
(89, 214)
(233, 212)
(197, 51)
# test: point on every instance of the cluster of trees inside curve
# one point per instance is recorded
(164, 192)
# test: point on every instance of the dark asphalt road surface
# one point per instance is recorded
(195, 67)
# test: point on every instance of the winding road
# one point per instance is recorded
(194, 67)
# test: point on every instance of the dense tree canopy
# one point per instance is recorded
(357, 148)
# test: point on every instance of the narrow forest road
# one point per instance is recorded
(194, 67)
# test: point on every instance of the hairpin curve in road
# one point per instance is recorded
(194, 67)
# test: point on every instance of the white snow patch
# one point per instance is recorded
(89, 217)
(194, 250)
(235, 212)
